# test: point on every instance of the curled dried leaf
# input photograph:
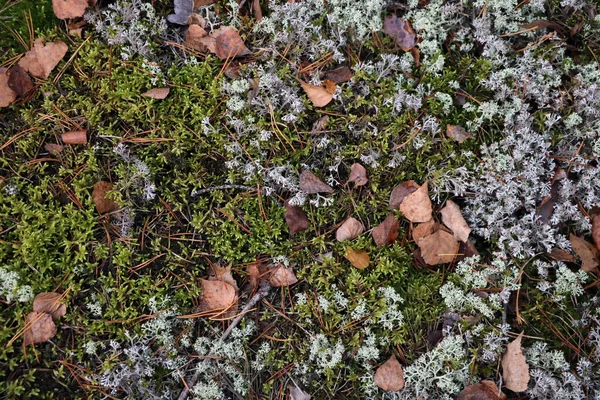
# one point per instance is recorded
(75, 137)
(387, 231)
(358, 258)
(515, 370)
(19, 81)
(53, 148)
(416, 206)
(295, 218)
(350, 229)
(198, 39)
(390, 375)
(223, 274)
(320, 96)
(561, 255)
(102, 203)
(453, 219)
(310, 184)
(586, 252)
(7, 95)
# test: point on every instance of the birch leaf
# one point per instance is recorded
(515, 370)
(350, 229)
(387, 231)
(416, 207)
(310, 184)
(390, 375)
(358, 258)
(453, 219)
(320, 96)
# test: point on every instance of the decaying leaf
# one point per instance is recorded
(453, 219)
(310, 184)
(64, 9)
(515, 370)
(295, 218)
(320, 96)
(596, 230)
(157, 93)
(216, 295)
(228, 43)
(458, 133)
(103, 204)
(223, 274)
(7, 95)
(75, 28)
(358, 258)
(358, 175)
(39, 327)
(201, 3)
(387, 231)
(256, 10)
(484, 390)
(282, 276)
(198, 39)
(319, 124)
(400, 192)
(75, 137)
(254, 275)
(19, 81)
(53, 148)
(586, 252)
(438, 248)
(561, 255)
(339, 75)
(350, 229)
(49, 302)
(390, 375)
(196, 19)
(416, 207)
(183, 10)
(297, 394)
(422, 230)
(43, 58)
(401, 31)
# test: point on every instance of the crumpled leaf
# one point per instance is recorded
(39, 328)
(183, 10)
(254, 275)
(387, 231)
(350, 229)
(75, 137)
(7, 95)
(339, 75)
(416, 207)
(458, 133)
(515, 370)
(64, 9)
(295, 218)
(19, 81)
(400, 192)
(42, 59)
(217, 295)
(438, 248)
(298, 394)
(422, 230)
(596, 230)
(484, 390)
(358, 175)
(256, 10)
(223, 274)
(453, 219)
(358, 258)
(282, 276)
(49, 302)
(157, 93)
(319, 124)
(401, 31)
(561, 255)
(320, 96)
(196, 19)
(103, 204)
(228, 43)
(310, 184)
(198, 39)
(586, 252)
(390, 375)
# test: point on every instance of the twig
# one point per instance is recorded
(262, 292)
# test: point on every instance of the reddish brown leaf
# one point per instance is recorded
(358, 258)
(157, 93)
(400, 192)
(562, 255)
(254, 275)
(320, 96)
(282, 276)
(457, 133)
(438, 248)
(75, 137)
(423, 230)
(350, 229)
(310, 184)
(39, 327)
(515, 370)
(387, 231)
(223, 274)
(358, 175)
(7, 95)
(217, 295)
(64, 9)
(196, 19)
(416, 207)
(390, 375)
(49, 302)
(596, 230)
(485, 390)
(19, 81)
(201, 3)
(339, 75)
(453, 219)
(103, 204)
(401, 31)
(53, 148)
(586, 252)
(42, 59)
(198, 39)
(228, 43)
(295, 218)
(256, 10)
(76, 27)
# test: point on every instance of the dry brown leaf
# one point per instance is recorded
(423, 230)
(103, 205)
(75, 137)
(390, 375)
(75, 28)
(295, 218)
(350, 229)
(400, 192)
(515, 370)
(201, 3)
(64, 9)
(484, 390)
(216, 295)
(438, 248)
(196, 19)
(401, 31)
(561, 255)
(358, 175)
(319, 124)
(228, 43)
(19, 81)
(320, 96)
(387, 231)
(339, 75)
(254, 275)
(298, 394)
(223, 274)
(358, 258)
(49, 302)
(53, 148)
(7, 95)
(453, 219)
(586, 252)
(256, 10)
(416, 207)
(310, 184)
(157, 93)
(198, 39)
(596, 230)
(282, 276)
(42, 59)
(39, 327)
(457, 133)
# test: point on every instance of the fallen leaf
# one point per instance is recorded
(416, 207)
(295, 218)
(320, 96)
(438, 248)
(103, 204)
(256, 10)
(297, 394)
(422, 230)
(310, 184)
(561, 255)
(198, 39)
(457, 133)
(216, 295)
(358, 258)
(390, 376)
(254, 275)
(586, 252)
(358, 175)
(282, 276)
(39, 327)
(545, 24)
(183, 10)
(75, 137)
(42, 59)
(196, 19)
(223, 274)
(53, 148)
(401, 31)
(515, 370)
(453, 219)
(49, 302)
(19, 81)
(339, 75)
(157, 93)
(76, 28)
(64, 9)
(596, 230)
(228, 43)
(484, 390)
(400, 192)
(466, 249)
(319, 124)
(387, 231)
(202, 3)
(350, 229)
(7, 95)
